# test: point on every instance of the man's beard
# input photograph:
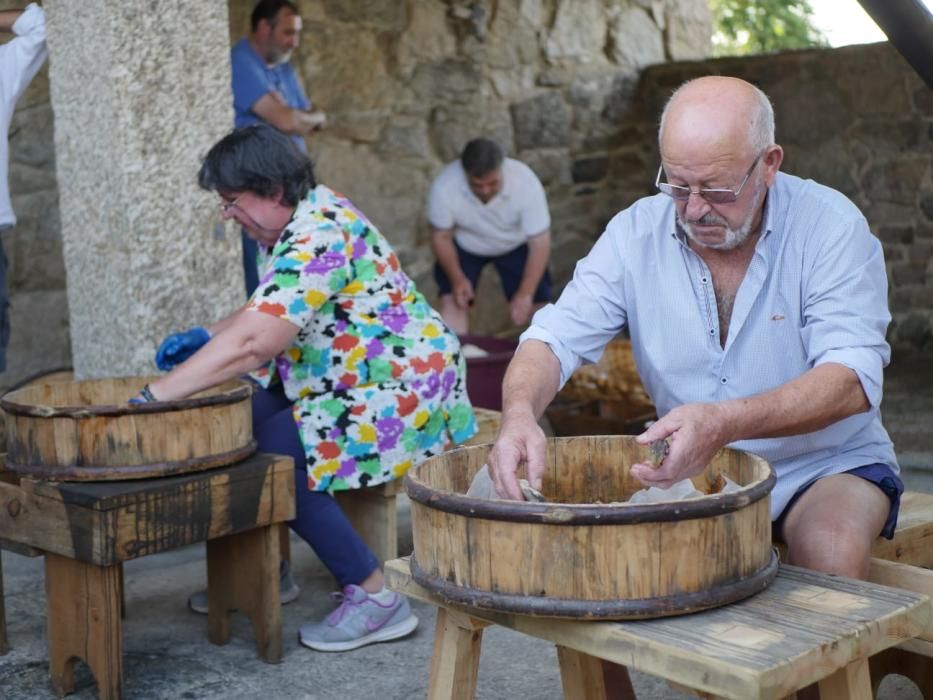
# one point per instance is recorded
(734, 237)
(277, 58)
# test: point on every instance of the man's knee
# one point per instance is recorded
(832, 549)
(836, 538)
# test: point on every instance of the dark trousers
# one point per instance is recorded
(319, 521)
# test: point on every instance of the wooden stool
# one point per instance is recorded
(88, 529)
(906, 562)
(804, 628)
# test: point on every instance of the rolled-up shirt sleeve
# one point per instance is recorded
(846, 311)
(591, 310)
(25, 54)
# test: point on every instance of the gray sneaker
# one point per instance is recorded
(359, 620)
(288, 591)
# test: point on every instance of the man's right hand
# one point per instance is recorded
(463, 293)
(178, 347)
(520, 440)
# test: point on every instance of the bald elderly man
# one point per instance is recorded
(757, 307)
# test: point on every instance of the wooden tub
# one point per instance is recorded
(76, 431)
(582, 555)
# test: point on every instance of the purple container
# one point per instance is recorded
(485, 374)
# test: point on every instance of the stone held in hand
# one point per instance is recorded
(657, 451)
(530, 492)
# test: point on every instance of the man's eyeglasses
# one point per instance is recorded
(226, 206)
(712, 195)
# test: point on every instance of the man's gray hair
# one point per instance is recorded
(761, 130)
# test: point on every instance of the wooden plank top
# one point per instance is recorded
(802, 628)
(106, 522)
(107, 495)
(913, 540)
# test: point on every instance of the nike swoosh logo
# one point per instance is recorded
(373, 624)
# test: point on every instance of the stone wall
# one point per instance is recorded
(566, 86)
(406, 83)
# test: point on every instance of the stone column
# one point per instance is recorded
(140, 90)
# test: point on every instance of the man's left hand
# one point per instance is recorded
(520, 307)
(697, 431)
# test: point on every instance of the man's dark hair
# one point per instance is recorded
(258, 159)
(267, 10)
(481, 156)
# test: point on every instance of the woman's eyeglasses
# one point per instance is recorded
(226, 206)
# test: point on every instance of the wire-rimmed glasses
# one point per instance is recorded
(714, 195)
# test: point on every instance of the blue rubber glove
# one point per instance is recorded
(178, 347)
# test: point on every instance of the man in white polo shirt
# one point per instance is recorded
(486, 208)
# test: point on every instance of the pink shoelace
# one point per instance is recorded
(347, 603)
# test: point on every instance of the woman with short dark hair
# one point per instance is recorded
(360, 378)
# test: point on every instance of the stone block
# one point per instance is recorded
(452, 128)
(451, 80)
(551, 165)
(926, 205)
(578, 31)
(897, 181)
(541, 122)
(689, 30)
(908, 273)
(914, 329)
(590, 169)
(39, 338)
(635, 40)
(384, 16)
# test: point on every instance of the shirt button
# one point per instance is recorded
(723, 380)
(703, 280)
(712, 331)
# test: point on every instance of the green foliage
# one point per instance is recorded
(742, 27)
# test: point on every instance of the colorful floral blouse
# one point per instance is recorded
(377, 379)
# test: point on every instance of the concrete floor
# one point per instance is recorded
(167, 655)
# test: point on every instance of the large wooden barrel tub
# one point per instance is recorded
(86, 431)
(583, 554)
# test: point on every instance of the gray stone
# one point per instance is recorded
(898, 181)
(915, 330)
(635, 40)
(447, 81)
(384, 16)
(578, 32)
(590, 169)
(688, 31)
(451, 129)
(405, 137)
(926, 205)
(541, 122)
(549, 164)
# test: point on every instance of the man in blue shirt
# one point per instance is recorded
(756, 303)
(266, 88)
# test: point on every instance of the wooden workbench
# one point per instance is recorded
(86, 530)
(804, 628)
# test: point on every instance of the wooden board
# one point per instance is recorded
(805, 627)
(107, 522)
(913, 539)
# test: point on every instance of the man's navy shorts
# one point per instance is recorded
(510, 266)
(881, 475)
